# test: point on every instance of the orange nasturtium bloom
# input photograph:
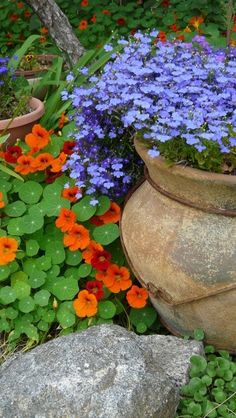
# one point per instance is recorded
(58, 163)
(25, 165)
(8, 248)
(38, 138)
(115, 278)
(2, 204)
(70, 193)
(84, 3)
(83, 25)
(112, 215)
(66, 220)
(92, 248)
(85, 304)
(42, 161)
(137, 297)
(77, 239)
(196, 21)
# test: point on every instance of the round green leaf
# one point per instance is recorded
(54, 271)
(26, 305)
(72, 272)
(36, 210)
(65, 289)
(198, 334)
(83, 209)
(44, 263)
(15, 209)
(42, 297)
(30, 266)
(73, 258)
(49, 316)
(84, 270)
(56, 252)
(18, 276)
(11, 313)
(104, 204)
(37, 279)
(22, 289)
(146, 315)
(7, 295)
(4, 272)
(52, 191)
(43, 326)
(4, 325)
(141, 327)
(65, 315)
(53, 206)
(106, 234)
(106, 309)
(32, 247)
(31, 224)
(15, 227)
(30, 192)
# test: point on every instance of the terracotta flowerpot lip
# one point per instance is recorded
(48, 58)
(184, 171)
(38, 111)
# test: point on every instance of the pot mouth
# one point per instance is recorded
(37, 111)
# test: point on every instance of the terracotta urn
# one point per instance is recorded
(178, 230)
(22, 125)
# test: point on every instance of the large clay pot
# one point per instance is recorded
(22, 125)
(179, 233)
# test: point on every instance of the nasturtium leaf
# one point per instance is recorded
(141, 327)
(83, 209)
(83, 324)
(84, 270)
(56, 252)
(30, 192)
(20, 255)
(22, 289)
(7, 295)
(31, 332)
(4, 272)
(31, 224)
(15, 227)
(49, 316)
(147, 315)
(43, 263)
(198, 334)
(106, 309)
(4, 325)
(52, 191)
(73, 258)
(101, 321)
(5, 186)
(16, 185)
(72, 272)
(2, 232)
(65, 318)
(30, 266)
(54, 271)
(26, 304)
(11, 313)
(36, 210)
(41, 298)
(43, 326)
(106, 234)
(32, 247)
(13, 266)
(15, 209)
(37, 279)
(53, 206)
(104, 204)
(39, 176)
(65, 288)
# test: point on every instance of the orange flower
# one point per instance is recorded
(14, 17)
(92, 248)
(78, 238)
(112, 215)
(27, 13)
(65, 220)
(137, 297)
(42, 39)
(42, 161)
(2, 204)
(83, 25)
(86, 304)
(93, 19)
(63, 119)
(196, 21)
(20, 5)
(70, 193)
(116, 278)
(25, 165)
(187, 29)
(44, 31)
(84, 3)
(38, 139)
(8, 248)
(58, 163)
(106, 12)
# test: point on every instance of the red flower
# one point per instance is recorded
(121, 21)
(93, 19)
(27, 13)
(14, 17)
(106, 12)
(95, 287)
(101, 260)
(68, 147)
(51, 177)
(95, 220)
(12, 154)
(84, 3)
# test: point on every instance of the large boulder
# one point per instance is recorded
(103, 372)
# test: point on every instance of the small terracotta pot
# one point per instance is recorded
(179, 231)
(22, 125)
(46, 59)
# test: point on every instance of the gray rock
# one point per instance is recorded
(103, 372)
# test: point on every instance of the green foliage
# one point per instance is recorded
(211, 391)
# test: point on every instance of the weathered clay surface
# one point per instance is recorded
(103, 372)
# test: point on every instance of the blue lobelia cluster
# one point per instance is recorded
(163, 91)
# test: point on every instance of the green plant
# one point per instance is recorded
(211, 391)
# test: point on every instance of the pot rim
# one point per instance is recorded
(30, 73)
(38, 110)
(184, 171)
